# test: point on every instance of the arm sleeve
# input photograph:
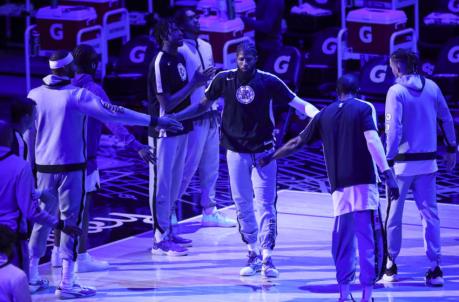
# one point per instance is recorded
(368, 117)
(393, 126)
(161, 83)
(90, 104)
(446, 122)
(376, 149)
(118, 130)
(311, 133)
(215, 89)
(27, 205)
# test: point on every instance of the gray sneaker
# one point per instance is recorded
(268, 270)
(169, 248)
(74, 292)
(217, 219)
(253, 265)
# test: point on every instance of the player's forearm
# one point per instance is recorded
(304, 107)
(192, 111)
(289, 148)
(177, 98)
(376, 150)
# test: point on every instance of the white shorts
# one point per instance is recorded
(92, 183)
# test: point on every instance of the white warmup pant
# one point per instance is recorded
(165, 179)
(425, 196)
(203, 155)
(69, 190)
(248, 181)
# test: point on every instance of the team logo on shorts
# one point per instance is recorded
(181, 71)
(245, 94)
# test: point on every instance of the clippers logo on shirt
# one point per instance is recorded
(181, 71)
(245, 95)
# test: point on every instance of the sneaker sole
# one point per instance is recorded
(63, 296)
(433, 284)
(390, 278)
(269, 275)
(170, 254)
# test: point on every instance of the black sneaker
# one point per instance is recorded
(434, 277)
(253, 265)
(180, 240)
(390, 274)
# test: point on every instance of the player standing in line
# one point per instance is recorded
(169, 90)
(347, 129)
(203, 152)
(247, 133)
(58, 146)
(414, 105)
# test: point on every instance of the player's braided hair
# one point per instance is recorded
(247, 47)
(85, 58)
(407, 59)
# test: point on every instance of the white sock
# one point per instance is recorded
(266, 253)
(210, 211)
(389, 263)
(33, 269)
(160, 237)
(67, 273)
(367, 292)
(253, 247)
(344, 290)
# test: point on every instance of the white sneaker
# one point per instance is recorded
(56, 260)
(74, 292)
(85, 263)
(217, 219)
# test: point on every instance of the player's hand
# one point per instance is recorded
(202, 77)
(393, 191)
(265, 159)
(147, 155)
(170, 124)
(450, 161)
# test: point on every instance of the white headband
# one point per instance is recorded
(62, 62)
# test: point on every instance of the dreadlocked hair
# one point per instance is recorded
(247, 47)
(407, 59)
(85, 56)
(162, 29)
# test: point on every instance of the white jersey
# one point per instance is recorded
(62, 110)
(198, 56)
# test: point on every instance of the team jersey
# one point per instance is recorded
(341, 127)
(248, 119)
(167, 74)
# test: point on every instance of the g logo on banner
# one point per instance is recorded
(378, 73)
(453, 6)
(453, 54)
(281, 64)
(245, 95)
(56, 31)
(182, 71)
(329, 46)
(137, 54)
(365, 34)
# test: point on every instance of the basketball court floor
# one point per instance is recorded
(303, 256)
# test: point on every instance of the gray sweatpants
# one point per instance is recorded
(248, 181)
(165, 180)
(203, 156)
(424, 191)
(69, 190)
(365, 227)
